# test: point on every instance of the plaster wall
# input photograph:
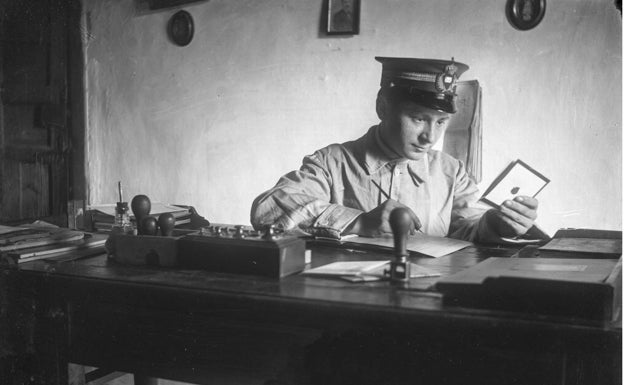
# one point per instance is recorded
(215, 123)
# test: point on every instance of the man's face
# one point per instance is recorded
(411, 129)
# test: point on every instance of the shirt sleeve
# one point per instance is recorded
(302, 199)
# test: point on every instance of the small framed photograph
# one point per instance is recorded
(517, 179)
(343, 17)
(525, 14)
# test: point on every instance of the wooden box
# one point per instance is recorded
(574, 287)
(252, 254)
(143, 249)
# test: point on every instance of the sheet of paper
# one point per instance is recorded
(346, 268)
(419, 243)
(365, 271)
(9, 229)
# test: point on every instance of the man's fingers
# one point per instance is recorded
(529, 202)
(518, 229)
(415, 219)
(505, 225)
(391, 204)
(516, 216)
(519, 208)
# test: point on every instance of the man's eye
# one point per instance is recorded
(442, 122)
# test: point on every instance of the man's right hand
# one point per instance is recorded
(375, 222)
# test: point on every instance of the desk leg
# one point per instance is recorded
(51, 347)
(37, 332)
(593, 368)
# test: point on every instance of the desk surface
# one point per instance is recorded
(296, 290)
(96, 290)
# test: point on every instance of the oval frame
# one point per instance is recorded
(525, 14)
(181, 28)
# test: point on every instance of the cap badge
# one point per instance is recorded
(445, 82)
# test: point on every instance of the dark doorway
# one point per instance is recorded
(36, 139)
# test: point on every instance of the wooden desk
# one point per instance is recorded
(199, 326)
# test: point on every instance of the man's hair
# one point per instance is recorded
(394, 95)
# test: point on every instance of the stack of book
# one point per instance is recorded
(42, 240)
(100, 218)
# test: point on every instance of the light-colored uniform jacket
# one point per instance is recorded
(337, 183)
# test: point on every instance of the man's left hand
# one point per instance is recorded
(515, 217)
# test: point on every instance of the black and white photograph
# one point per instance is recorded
(343, 17)
(311, 192)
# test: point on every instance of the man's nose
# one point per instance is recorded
(428, 133)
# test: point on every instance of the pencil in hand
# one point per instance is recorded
(383, 192)
(387, 196)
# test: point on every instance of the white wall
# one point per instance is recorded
(216, 122)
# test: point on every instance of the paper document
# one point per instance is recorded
(36, 234)
(364, 271)
(346, 268)
(428, 245)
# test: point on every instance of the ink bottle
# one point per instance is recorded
(122, 224)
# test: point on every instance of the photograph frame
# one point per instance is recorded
(525, 14)
(343, 17)
(505, 173)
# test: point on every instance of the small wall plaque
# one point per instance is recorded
(181, 28)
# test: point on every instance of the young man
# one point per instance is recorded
(351, 188)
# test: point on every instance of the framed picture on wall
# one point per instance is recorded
(525, 14)
(343, 17)
(159, 4)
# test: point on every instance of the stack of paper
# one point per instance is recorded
(42, 240)
(35, 235)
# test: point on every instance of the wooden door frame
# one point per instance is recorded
(77, 194)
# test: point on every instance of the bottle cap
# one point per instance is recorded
(122, 208)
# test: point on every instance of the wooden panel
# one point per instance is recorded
(26, 20)
(35, 182)
(23, 127)
(11, 194)
(25, 66)
(33, 120)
